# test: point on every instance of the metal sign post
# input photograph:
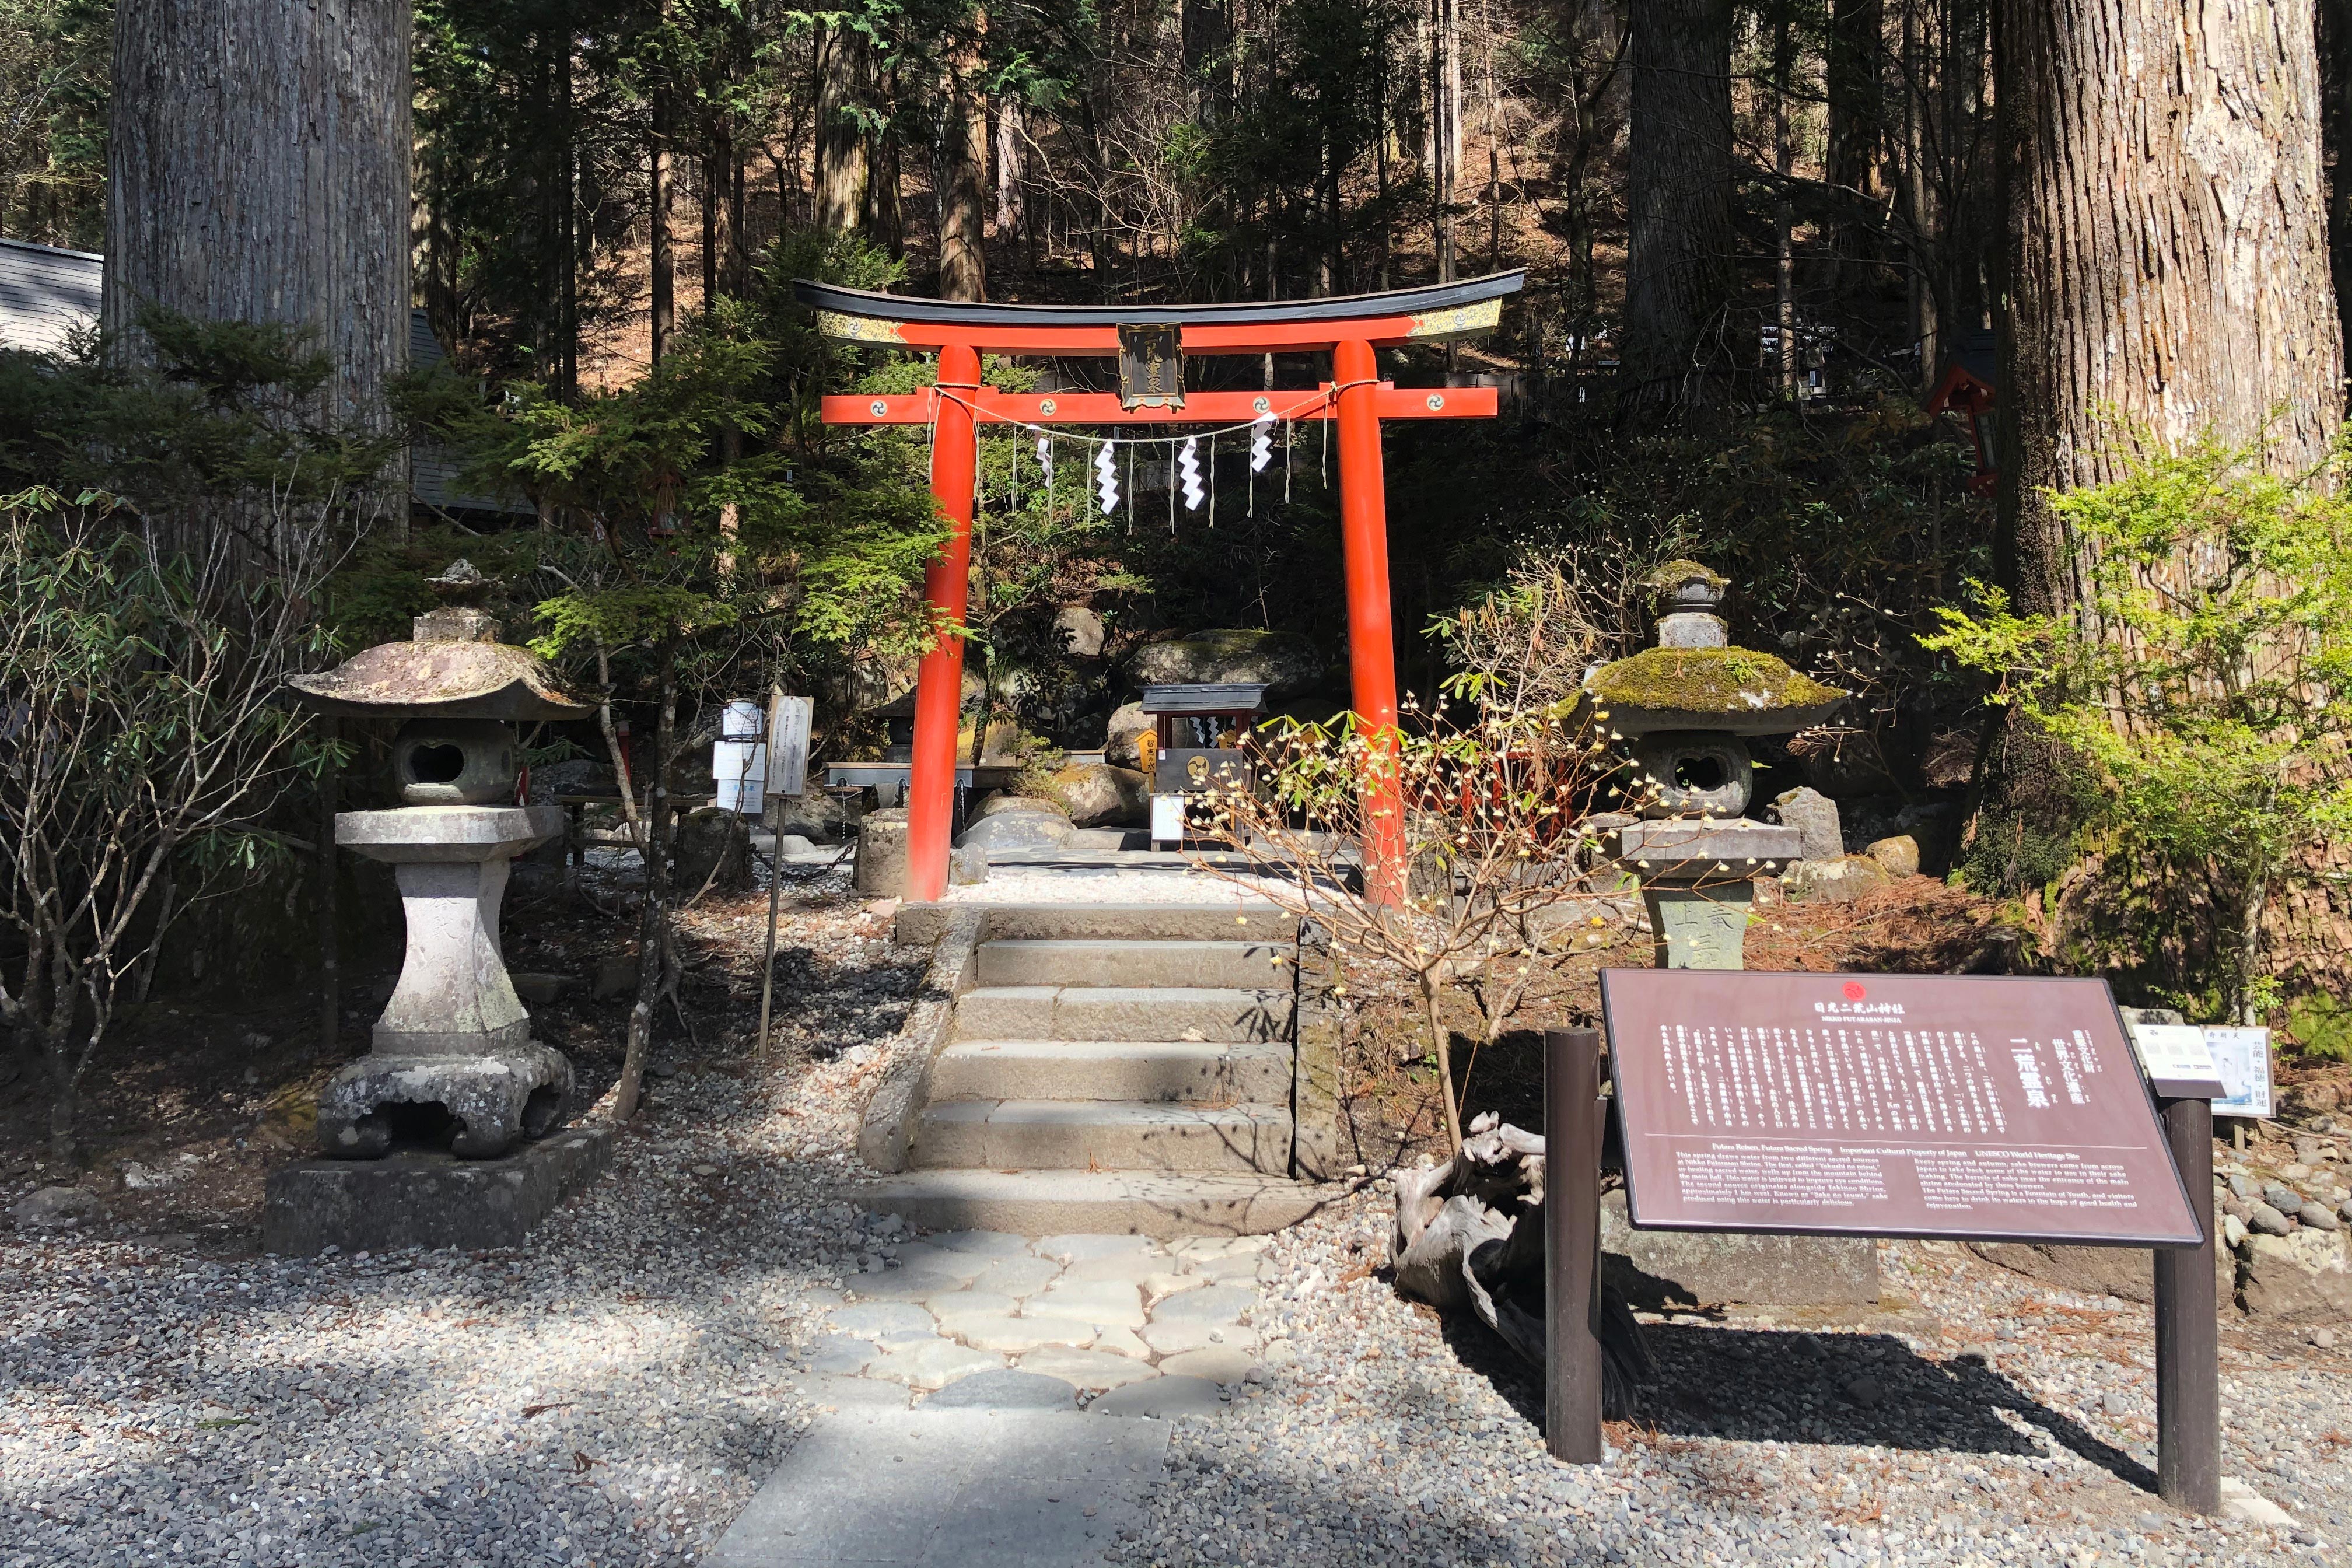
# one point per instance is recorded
(1573, 1113)
(2188, 1340)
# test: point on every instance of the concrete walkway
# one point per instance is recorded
(949, 1489)
(1012, 1351)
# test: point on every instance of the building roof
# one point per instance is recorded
(45, 294)
(432, 469)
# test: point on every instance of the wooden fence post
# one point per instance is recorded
(1572, 1113)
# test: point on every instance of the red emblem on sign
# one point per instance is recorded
(1854, 991)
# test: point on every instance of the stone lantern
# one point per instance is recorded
(1688, 707)
(453, 1064)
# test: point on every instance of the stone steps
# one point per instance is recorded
(1119, 1068)
(1184, 1071)
(922, 924)
(1102, 1135)
(1233, 965)
(1125, 1203)
(1139, 1014)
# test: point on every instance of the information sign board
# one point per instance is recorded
(2177, 1062)
(2242, 1057)
(1983, 1108)
(788, 743)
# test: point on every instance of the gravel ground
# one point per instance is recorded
(1977, 1418)
(612, 1394)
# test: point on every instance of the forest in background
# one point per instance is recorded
(1756, 235)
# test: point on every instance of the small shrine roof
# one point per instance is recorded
(1225, 696)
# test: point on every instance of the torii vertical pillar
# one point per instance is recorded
(939, 683)
(1371, 641)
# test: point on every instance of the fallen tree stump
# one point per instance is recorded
(1470, 1233)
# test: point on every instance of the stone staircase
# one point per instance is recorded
(1096, 1068)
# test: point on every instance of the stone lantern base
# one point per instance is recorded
(426, 1198)
(454, 1065)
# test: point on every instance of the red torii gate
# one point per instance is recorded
(1349, 327)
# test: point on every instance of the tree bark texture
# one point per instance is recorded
(963, 211)
(258, 170)
(841, 73)
(2168, 248)
(1857, 113)
(2336, 146)
(661, 260)
(1679, 239)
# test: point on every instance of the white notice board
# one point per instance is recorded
(2175, 1058)
(788, 743)
(2241, 1060)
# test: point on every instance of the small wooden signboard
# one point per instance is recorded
(1150, 367)
(1981, 1108)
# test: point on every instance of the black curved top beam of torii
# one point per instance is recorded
(1431, 314)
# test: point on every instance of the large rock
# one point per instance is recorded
(1899, 855)
(1838, 881)
(1285, 662)
(1118, 744)
(2120, 1272)
(1042, 829)
(1815, 817)
(2304, 1278)
(998, 803)
(714, 846)
(1658, 1268)
(573, 776)
(53, 1208)
(1080, 629)
(1097, 795)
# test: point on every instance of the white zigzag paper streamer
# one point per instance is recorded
(1188, 463)
(1045, 459)
(1106, 476)
(1262, 443)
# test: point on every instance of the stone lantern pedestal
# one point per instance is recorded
(1698, 884)
(454, 1036)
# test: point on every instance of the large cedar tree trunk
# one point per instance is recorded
(257, 168)
(963, 211)
(1857, 120)
(1678, 202)
(842, 75)
(2168, 260)
(2169, 248)
(2336, 141)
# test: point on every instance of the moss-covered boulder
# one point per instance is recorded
(1284, 662)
